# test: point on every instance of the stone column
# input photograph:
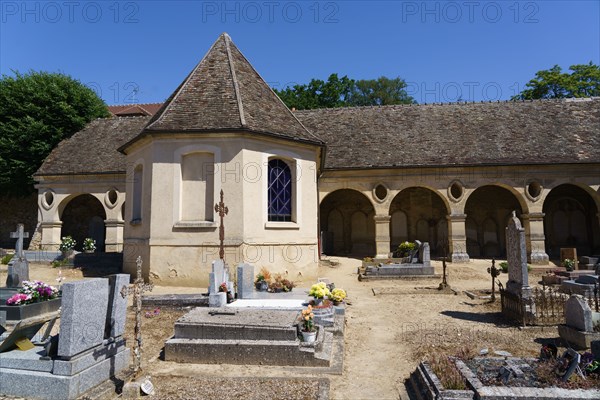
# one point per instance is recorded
(457, 238)
(535, 239)
(51, 234)
(113, 241)
(382, 236)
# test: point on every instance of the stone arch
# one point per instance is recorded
(425, 211)
(570, 220)
(83, 216)
(347, 223)
(488, 209)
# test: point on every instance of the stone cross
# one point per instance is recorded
(222, 210)
(20, 234)
(139, 287)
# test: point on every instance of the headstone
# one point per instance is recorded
(414, 254)
(425, 255)
(218, 276)
(245, 281)
(117, 306)
(516, 254)
(83, 316)
(578, 314)
(18, 268)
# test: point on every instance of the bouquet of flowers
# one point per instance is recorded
(89, 244)
(308, 324)
(319, 290)
(67, 244)
(338, 294)
(33, 292)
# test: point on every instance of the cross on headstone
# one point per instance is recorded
(139, 287)
(222, 210)
(20, 234)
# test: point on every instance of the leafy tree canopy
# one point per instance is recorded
(582, 81)
(345, 92)
(37, 111)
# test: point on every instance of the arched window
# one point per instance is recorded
(280, 191)
(138, 177)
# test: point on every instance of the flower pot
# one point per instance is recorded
(309, 337)
(261, 286)
(317, 301)
(66, 254)
(88, 251)
(336, 303)
(30, 310)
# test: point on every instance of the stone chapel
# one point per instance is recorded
(351, 181)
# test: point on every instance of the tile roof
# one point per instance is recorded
(225, 93)
(530, 132)
(93, 150)
(134, 109)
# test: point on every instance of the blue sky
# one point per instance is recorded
(445, 50)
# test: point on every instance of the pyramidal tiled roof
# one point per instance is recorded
(225, 93)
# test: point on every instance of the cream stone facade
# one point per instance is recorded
(354, 182)
(181, 251)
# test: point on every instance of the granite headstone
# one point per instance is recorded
(245, 281)
(117, 305)
(83, 316)
(578, 314)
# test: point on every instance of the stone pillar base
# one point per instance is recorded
(459, 258)
(538, 258)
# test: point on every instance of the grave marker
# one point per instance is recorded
(516, 254)
(83, 316)
(18, 268)
(139, 287)
(245, 281)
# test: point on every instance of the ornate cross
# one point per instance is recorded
(138, 288)
(20, 234)
(494, 272)
(222, 210)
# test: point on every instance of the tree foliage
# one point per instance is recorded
(37, 111)
(345, 92)
(583, 81)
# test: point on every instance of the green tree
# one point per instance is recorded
(345, 92)
(381, 91)
(37, 111)
(583, 81)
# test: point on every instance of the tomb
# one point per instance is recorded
(580, 321)
(249, 336)
(416, 264)
(88, 350)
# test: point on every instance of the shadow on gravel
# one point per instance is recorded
(495, 318)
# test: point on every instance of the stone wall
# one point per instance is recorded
(15, 210)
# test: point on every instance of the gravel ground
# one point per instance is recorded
(185, 388)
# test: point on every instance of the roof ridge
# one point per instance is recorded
(236, 86)
(455, 103)
(135, 104)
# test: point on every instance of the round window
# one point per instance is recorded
(456, 191)
(534, 190)
(111, 198)
(380, 192)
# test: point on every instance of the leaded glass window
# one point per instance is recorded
(280, 191)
